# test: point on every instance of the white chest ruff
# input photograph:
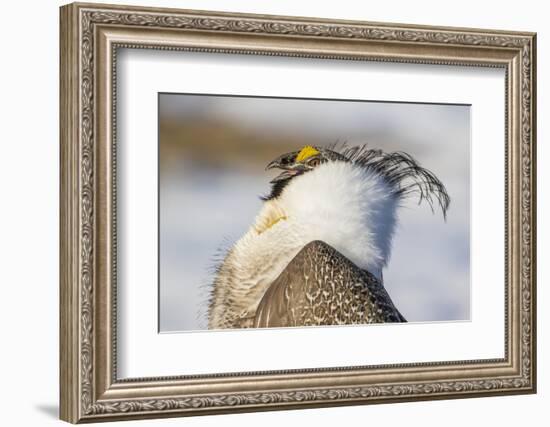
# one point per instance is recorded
(341, 204)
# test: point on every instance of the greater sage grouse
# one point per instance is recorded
(315, 253)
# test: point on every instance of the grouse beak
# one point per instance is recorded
(286, 162)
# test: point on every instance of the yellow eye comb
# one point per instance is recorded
(306, 152)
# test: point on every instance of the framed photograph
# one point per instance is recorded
(267, 212)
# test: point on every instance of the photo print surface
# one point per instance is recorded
(289, 212)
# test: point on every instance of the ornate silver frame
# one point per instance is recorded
(90, 36)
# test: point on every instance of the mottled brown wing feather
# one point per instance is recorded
(320, 286)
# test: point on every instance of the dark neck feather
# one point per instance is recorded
(276, 189)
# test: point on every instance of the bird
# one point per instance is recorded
(316, 251)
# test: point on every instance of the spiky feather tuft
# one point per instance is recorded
(403, 173)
